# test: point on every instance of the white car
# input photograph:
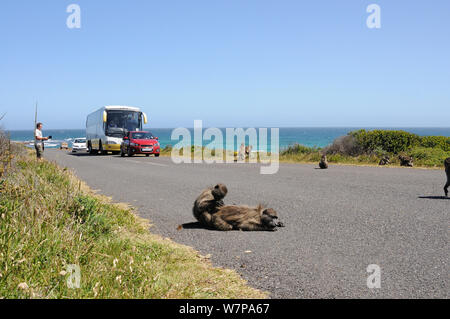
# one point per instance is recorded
(79, 145)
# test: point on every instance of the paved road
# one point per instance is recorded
(339, 221)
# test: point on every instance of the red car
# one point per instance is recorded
(140, 142)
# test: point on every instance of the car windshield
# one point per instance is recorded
(80, 141)
(142, 136)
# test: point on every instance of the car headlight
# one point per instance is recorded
(134, 144)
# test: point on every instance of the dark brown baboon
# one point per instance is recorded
(323, 162)
(246, 218)
(406, 161)
(209, 201)
(385, 160)
(447, 171)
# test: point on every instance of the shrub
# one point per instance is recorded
(428, 156)
(396, 142)
(345, 145)
(441, 142)
(389, 141)
(297, 149)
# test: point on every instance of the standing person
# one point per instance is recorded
(39, 140)
(241, 154)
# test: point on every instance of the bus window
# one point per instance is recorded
(121, 122)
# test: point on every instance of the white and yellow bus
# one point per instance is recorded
(106, 127)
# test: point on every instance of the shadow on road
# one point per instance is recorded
(82, 154)
(434, 197)
(79, 154)
(195, 225)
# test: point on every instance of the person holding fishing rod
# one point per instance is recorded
(39, 140)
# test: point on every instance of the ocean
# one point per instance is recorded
(308, 136)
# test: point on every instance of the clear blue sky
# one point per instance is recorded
(227, 62)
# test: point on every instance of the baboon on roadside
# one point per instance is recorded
(323, 162)
(447, 171)
(207, 204)
(248, 150)
(385, 160)
(406, 161)
(246, 219)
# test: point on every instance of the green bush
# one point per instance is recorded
(428, 156)
(345, 145)
(441, 142)
(389, 141)
(396, 142)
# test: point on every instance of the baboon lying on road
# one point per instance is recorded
(323, 162)
(246, 218)
(447, 171)
(207, 204)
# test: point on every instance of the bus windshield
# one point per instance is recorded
(120, 122)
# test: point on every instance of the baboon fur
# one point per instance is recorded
(385, 161)
(207, 204)
(246, 219)
(447, 172)
(406, 161)
(323, 162)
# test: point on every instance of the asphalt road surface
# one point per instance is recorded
(339, 221)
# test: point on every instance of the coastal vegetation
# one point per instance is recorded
(369, 147)
(51, 223)
(365, 147)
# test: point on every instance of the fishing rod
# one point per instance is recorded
(35, 116)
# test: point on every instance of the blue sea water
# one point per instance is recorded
(308, 136)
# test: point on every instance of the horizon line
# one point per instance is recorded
(224, 127)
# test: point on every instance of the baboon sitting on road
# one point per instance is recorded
(447, 171)
(323, 162)
(246, 218)
(207, 204)
(248, 151)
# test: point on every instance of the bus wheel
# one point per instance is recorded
(156, 155)
(90, 150)
(102, 151)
